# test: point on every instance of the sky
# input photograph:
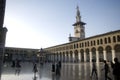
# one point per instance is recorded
(45, 23)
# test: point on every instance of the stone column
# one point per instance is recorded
(62, 57)
(73, 57)
(79, 56)
(97, 56)
(90, 56)
(113, 55)
(104, 55)
(52, 57)
(85, 57)
(65, 56)
(69, 57)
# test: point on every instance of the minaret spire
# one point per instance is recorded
(79, 30)
(78, 17)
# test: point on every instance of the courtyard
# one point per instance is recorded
(69, 71)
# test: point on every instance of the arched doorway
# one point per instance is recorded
(100, 52)
(76, 56)
(67, 56)
(63, 56)
(82, 55)
(71, 58)
(108, 53)
(87, 55)
(117, 51)
(93, 50)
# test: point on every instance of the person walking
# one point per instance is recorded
(94, 69)
(60, 64)
(53, 67)
(116, 69)
(57, 69)
(17, 67)
(107, 70)
(35, 70)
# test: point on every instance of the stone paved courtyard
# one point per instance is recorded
(69, 71)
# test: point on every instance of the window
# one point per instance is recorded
(109, 40)
(74, 46)
(82, 44)
(91, 43)
(85, 44)
(105, 40)
(97, 42)
(101, 41)
(94, 43)
(88, 43)
(77, 45)
(114, 39)
(118, 38)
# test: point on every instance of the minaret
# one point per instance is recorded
(3, 32)
(79, 29)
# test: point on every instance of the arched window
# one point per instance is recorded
(77, 45)
(109, 40)
(98, 42)
(114, 39)
(80, 45)
(118, 38)
(101, 41)
(88, 43)
(91, 43)
(74, 46)
(94, 43)
(85, 44)
(105, 40)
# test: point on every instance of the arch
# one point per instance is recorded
(108, 53)
(100, 52)
(60, 56)
(67, 56)
(117, 51)
(63, 57)
(101, 41)
(76, 56)
(118, 38)
(88, 55)
(82, 55)
(71, 56)
(114, 38)
(105, 41)
(93, 50)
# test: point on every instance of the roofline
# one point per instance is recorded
(86, 38)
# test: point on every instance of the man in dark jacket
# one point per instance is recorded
(116, 69)
(107, 70)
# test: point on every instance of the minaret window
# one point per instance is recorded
(76, 31)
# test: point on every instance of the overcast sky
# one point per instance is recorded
(45, 23)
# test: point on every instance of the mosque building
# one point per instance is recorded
(80, 49)
(100, 47)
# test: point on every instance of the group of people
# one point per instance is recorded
(115, 69)
(56, 68)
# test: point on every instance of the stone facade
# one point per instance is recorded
(23, 54)
(100, 47)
